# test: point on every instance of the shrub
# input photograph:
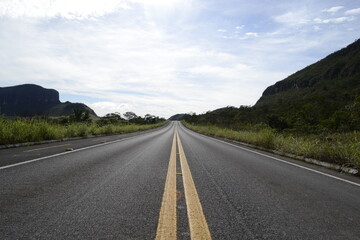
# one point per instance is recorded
(340, 148)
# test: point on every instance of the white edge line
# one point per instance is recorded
(64, 153)
(280, 160)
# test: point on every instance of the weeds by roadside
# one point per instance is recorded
(35, 130)
(339, 148)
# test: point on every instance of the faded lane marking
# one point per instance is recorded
(68, 152)
(167, 225)
(39, 149)
(76, 150)
(198, 226)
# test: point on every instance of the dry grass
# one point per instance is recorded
(35, 130)
(340, 148)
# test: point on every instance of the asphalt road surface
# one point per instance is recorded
(170, 183)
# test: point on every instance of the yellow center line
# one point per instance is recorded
(199, 228)
(167, 226)
(38, 149)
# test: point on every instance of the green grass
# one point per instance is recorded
(339, 148)
(35, 130)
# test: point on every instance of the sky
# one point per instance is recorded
(164, 57)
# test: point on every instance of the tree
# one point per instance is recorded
(115, 115)
(130, 115)
(86, 116)
(150, 118)
(78, 113)
(277, 123)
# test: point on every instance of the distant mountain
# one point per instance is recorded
(67, 108)
(31, 100)
(177, 117)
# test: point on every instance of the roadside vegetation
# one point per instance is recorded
(79, 124)
(324, 144)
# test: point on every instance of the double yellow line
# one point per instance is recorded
(167, 225)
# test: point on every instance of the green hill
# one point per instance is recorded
(323, 93)
(177, 117)
(322, 96)
(67, 108)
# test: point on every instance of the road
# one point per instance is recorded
(171, 183)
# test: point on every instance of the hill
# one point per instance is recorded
(33, 100)
(324, 95)
(177, 117)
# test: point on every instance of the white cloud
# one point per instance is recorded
(333, 9)
(353, 11)
(70, 9)
(317, 28)
(334, 20)
(140, 70)
(248, 35)
(251, 34)
(213, 71)
(160, 57)
(157, 2)
(102, 108)
(295, 18)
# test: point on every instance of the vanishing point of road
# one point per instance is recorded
(170, 183)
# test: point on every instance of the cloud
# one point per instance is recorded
(333, 9)
(157, 2)
(334, 20)
(301, 18)
(122, 67)
(102, 108)
(69, 9)
(212, 71)
(317, 28)
(293, 18)
(251, 34)
(353, 11)
(162, 57)
(248, 35)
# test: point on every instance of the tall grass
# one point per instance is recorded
(340, 148)
(35, 130)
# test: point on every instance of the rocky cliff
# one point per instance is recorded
(28, 93)
(342, 65)
(30, 100)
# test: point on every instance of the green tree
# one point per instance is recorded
(130, 115)
(78, 114)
